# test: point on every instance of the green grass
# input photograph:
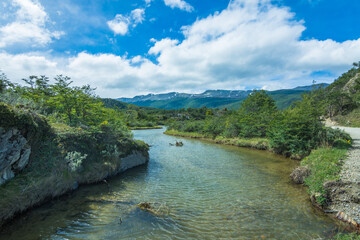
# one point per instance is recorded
(145, 128)
(352, 119)
(174, 132)
(325, 165)
(349, 236)
(257, 143)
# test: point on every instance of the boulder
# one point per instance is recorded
(14, 153)
(299, 174)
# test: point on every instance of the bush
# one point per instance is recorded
(298, 130)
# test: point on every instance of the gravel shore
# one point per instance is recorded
(345, 195)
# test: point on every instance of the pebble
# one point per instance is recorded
(350, 174)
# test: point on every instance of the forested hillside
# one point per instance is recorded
(216, 98)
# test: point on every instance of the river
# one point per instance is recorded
(200, 191)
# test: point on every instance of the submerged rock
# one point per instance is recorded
(299, 174)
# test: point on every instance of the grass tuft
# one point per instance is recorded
(325, 165)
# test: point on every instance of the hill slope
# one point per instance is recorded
(213, 98)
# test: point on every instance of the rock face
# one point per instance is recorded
(299, 174)
(133, 160)
(14, 153)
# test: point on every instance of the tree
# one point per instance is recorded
(356, 64)
(298, 129)
(64, 98)
(4, 82)
(255, 114)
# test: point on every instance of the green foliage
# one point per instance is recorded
(343, 95)
(4, 82)
(74, 160)
(63, 103)
(299, 129)
(32, 126)
(347, 236)
(255, 114)
(351, 119)
(325, 165)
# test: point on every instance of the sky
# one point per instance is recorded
(134, 47)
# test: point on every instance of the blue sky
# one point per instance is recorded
(127, 48)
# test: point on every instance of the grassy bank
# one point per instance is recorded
(325, 162)
(325, 165)
(343, 236)
(62, 157)
(351, 119)
(256, 143)
(145, 128)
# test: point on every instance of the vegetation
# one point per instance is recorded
(74, 139)
(325, 165)
(349, 236)
(283, 99)
(297, 131)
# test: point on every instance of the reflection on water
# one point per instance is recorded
(209, 192)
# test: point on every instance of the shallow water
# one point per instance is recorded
(201, 191)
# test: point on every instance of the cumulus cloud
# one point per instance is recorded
(181, 4)
(121, 23)
(251, 43)
(162, 45)
(29, 26)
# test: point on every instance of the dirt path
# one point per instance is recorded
(345, 194)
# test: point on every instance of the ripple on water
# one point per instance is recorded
(209, 192)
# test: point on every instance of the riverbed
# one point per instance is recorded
(199, 191)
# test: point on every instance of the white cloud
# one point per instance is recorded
(179, 4)
(148, 2)
(29, 26)
(137, 15)
(120, 24)
(250, 44)
(162, 45)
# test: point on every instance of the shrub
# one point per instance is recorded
(74, 160)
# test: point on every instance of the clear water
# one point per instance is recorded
(202, 191)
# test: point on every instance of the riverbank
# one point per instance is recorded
(55, 159)
(344, 193)
(256, 143)
(145, 128)
(322, 167)
(180, 180)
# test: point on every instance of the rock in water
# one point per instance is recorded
(299, 174)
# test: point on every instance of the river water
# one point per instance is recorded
(198, 191)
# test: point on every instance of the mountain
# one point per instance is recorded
(115, 104)
(174, 95)
(215, 98)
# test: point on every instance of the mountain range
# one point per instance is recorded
(215, 98)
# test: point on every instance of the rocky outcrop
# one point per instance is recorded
(299, 174)
(133, 160)
(350, 86)
(14, 153)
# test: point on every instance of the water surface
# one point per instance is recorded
(201, 191)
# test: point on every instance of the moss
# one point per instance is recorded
(33, 127)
